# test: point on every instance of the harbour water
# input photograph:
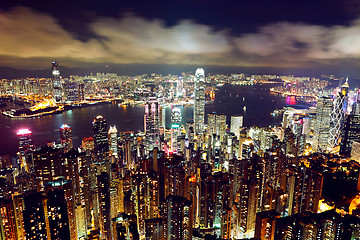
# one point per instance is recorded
(229, 100)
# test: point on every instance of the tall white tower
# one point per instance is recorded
(199, 100)
(56, 82)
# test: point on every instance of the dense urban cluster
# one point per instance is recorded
(201, 180)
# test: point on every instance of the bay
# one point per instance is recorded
(229, 100)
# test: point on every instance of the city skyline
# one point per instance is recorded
(306, 36)
(220, 156)
(180, 120)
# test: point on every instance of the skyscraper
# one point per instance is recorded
(236, 124)
(57, 87)
(113, 141)
(66, 137)
(199, 100)
(152, 123)
(101, 140)
(350, 133)
(25, 144)
(322, 123)
(338, 114)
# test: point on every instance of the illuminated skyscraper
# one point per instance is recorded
(236, 124)
(152, 123)
(175, 133)
(216, 124)
(113, 141)
(56, 82)
(322, 123)
(25, 144)
(175, 115)
(350, 133)
(338, 114)
(179, 87)
(66, 137)
(101, 140)
(199, 100)
(87, 143)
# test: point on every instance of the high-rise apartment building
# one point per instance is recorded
(199, 101)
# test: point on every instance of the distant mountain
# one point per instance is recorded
(135, 69)
(10, 73)
(131, 69)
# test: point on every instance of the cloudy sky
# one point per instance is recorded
(281, 34)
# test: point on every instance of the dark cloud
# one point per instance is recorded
(28, 34)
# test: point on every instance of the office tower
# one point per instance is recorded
(199, 101)
(36, 226)
(350, 133)
(236, 123)
(113, 141)
(72, 92)
(25, 144)
(176, 115)
(179, 87)
(101, 140)
(338, 115)
(152, 124)
(60, 209)
(47, 166)
(103, 183)
(87, 143)
(175, 133)
(322, 124)
(163, 117)
(66, 137)
(216, 124)
(57, 87)
(176, 218)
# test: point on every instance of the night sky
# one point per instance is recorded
(307, 36)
